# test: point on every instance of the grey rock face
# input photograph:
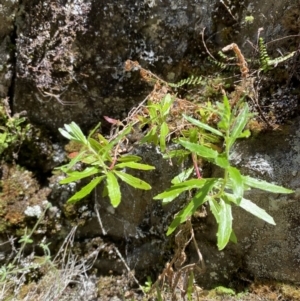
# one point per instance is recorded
(70, 57)
(70, 67)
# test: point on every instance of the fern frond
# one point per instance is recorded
(221, 65)
(264, 59)
(191, 80)
(281, 59)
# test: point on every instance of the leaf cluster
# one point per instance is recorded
(102, 162)
(157, 120)
(220, 193)
(12, 130)
(198, 137)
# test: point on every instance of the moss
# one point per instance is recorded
(221, 291)
(18, 190)
(271, 289)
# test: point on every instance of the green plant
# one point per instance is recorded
(191, 80)
(157, 119)
(265, 62)
(102, 162)
(148, 285)
(220, 193)
(14, 267)
(12, 128)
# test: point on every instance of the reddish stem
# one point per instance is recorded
(194, 158)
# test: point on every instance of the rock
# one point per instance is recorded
(69, 66)
(60, 80)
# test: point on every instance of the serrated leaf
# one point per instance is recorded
(132, 181)
(239, 124)
(176, 189)
(176, 153)
(86, 190)
(225, 114)
(214, 207)
(222, 161)
(200, 150)
(78, 175)
(202, 125)
(134, 165)
(237, 182)
(129, 158)
(113, 188)
(182, 176)
(252, 208)
(225, 224)
(264, 185)
(193, 205)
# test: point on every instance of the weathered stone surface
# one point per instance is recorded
(74, 51)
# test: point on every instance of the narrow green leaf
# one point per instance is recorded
(225, 224)
(151, 136)
(182, 176)
(222, 161)
(121, 135)
(233, 237)
(93, 131)
(170, 194)
(76, 131)
(166, 104)
(98, 147)
(73, 132)
(237, 182)
(77, 175)
(129, 158)
(264, 185)
(257, 211)
(66, 168)
(176, 153)
(132, 181)
(239, 125)
(152, 109)
(225, 110)
(164, 131)
(86, 190)
(200, 150)
(193, 205)
(215, 208)
(176, 189)
(134, 165)
(190, 288)
(202, 125)
(65, 134)
(252, 208)
(113, 189)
